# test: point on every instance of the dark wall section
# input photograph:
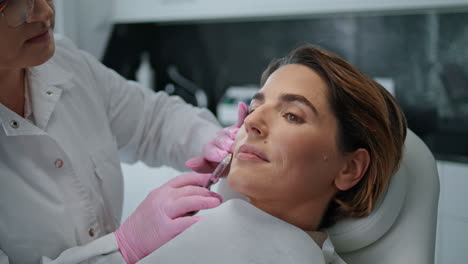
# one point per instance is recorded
(426, 56)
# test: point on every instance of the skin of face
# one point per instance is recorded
(18, 48)
(286, 157)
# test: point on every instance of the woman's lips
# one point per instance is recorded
(251, 153)
(40, 38)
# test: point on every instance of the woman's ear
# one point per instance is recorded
(355, 167)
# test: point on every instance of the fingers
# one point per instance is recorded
(196, 164)
(200, 165)
(193, 191)
(182, 223)
(213, 153)
(225, 139)
(242, 112)
(228, 132)
(196, 179)
(218, 148)
(182, 206)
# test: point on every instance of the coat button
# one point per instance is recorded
(58, 163)
(14, 124)
(91, 232)
(49, 92)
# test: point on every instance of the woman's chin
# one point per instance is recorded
(44, 58)
(240, 183)
(39, 56)
(235, 182)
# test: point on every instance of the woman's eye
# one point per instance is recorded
(293, 118)
(251, 109)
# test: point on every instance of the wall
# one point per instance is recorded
(86, 22)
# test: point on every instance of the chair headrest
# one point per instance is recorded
(355, 233)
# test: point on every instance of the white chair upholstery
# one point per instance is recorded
(402, 228)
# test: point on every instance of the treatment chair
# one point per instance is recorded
(402, 227)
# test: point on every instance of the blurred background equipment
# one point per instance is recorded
(227, 106)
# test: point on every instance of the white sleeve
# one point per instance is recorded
(102, 250)
(3, 258)
(152, 127)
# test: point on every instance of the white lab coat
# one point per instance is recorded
(61, 184)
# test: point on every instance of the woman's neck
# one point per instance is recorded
(12, 89)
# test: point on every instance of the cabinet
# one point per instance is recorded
(202, 10)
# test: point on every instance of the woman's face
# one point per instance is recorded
(286, 152)
(31, 43)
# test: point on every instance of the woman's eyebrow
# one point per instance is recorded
(300, 99)
(259, 97)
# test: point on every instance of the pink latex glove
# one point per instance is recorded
(214, 151)
(163, 215)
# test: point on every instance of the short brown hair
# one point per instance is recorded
(368, 117)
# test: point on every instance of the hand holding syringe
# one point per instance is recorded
(220, 171)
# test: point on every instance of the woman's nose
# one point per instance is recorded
(43, 11)
(255, 124)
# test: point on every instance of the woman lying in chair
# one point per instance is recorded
(320, 144)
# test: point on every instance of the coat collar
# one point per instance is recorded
(50, 74)
(48, 82)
